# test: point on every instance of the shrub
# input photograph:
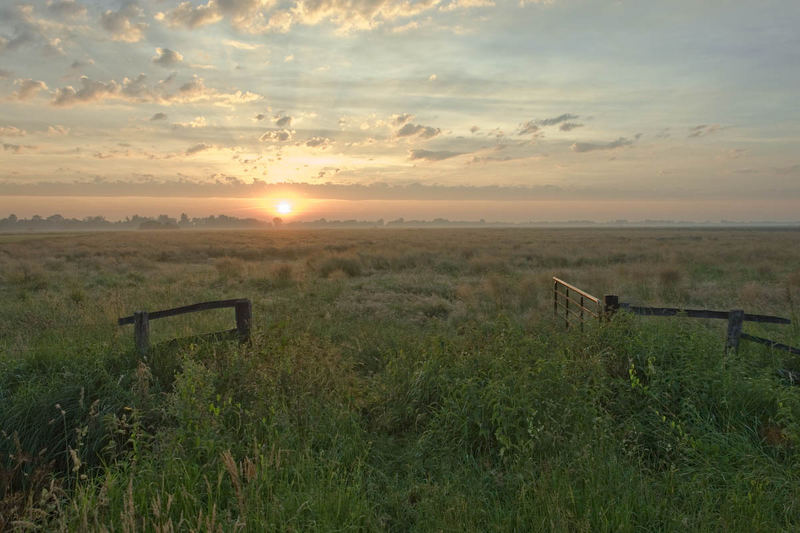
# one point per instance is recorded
(229, 267)
(348, 265)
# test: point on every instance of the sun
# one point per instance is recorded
(284, 208)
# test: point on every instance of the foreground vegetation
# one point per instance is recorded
(397, 380)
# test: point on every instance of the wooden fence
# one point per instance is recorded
(564, 294)
(141, 321)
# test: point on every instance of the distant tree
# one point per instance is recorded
(277, 221)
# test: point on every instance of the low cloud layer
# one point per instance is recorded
(582, 147)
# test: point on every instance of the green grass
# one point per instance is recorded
(400, 395)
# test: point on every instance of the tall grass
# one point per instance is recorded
(400, 398)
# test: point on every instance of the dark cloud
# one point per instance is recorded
(197, 148)
(28, 88)
(260, 116)
(590, 147)
(401, 119)
(425, 132)
(704, 129)
(167, 58)
(318, 142)
(533, 126)
(429, 155)
(4, 74)
(474, 129)
(557, 120)
(569, 126)
(529, 127)
(159, 116)
(276, 135)
(283, 121)
(66, 9)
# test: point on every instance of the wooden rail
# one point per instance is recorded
(583, 303)
(735, 318)
(700, 313)
(141, 320)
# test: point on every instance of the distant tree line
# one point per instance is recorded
(164, 222)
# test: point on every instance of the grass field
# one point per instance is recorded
(397, 380)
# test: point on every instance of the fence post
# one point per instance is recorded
(735, 319)
(141, 331)
(244, 313)
(610, 305)
(566, 307)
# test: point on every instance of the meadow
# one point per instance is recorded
(397, 380)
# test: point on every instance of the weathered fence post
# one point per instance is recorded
(610, 305)
(141, 331)
(244, 312)
(735, 320)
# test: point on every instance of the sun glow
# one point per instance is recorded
(284, 208)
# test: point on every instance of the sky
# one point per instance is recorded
(517, 111)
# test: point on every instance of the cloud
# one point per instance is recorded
(474, 129)
(466, 4)
(167, 58)
(528, 127)
(77, 64)
(283, 121)
(533, 126)
(28, 88)
(159, 116)
(569, 126)
(120, 24)
(589, 147)
(232, 187)
(239, 45)
(318, 142)
(793, 169)
(11, 131)
(557, 120)
(432, 77)
(198, 122)
(17, 148)
(197, 148)
(57, 130)
(430, 155)
(402, 118)
(4, 73)
(704, 129)
(289, 58)
(262, 16)
(66, 9)
(90, 91)
(276, 135)
(424, 132)
(137, 90)
(244, 15)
